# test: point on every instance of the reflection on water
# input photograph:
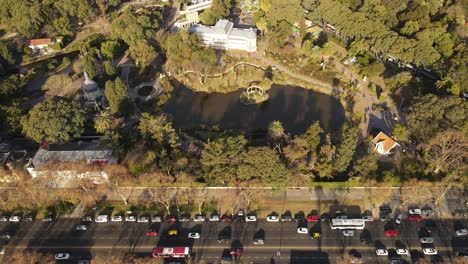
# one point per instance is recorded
(295, 107)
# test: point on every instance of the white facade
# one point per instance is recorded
(190, 19)
(224, 36)
(199, 5)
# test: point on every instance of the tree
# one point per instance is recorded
(117, 96)
(346, 149)
(13, 14)
(447, 152)
(365, 167)
(276, 133)
(313, 136)
(400, 132)
(324, 164)
(221, 157)
(55, 120)
(264, 165)
(81, 9)
(111, 49)
(109, 68)
(158, 129)
(143, 53)
(8, 87)
(103, 122)
(219, 9)
(89, 64)
(135, 27)
(57, 84)
(10, 117)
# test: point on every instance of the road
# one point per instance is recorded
(282, 242)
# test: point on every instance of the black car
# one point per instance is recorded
(385, 209)
(384, 216)
(286, 218)
(324, 217)
(299, 217)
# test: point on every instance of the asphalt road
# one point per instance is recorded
(282, 242)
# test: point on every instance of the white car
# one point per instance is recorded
(199, 218)
(426, 240)
(101, 219)
(381, 252)
(87, 218)
(3, 218)
(368, 218)
(62, 256)
(348, 232)
(143, 219)
(117, 218)
(429, 251)
(461, 232)
(15, 218)
(156, 219)
(81, 228)
(403, 251)
(214, 218)
(130, 218)
(398, 219)
(251, 218)
(272, 218)
(302, 230)
(194, 235)
(415, 211)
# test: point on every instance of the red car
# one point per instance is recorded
(171, 219)
(415, 218)
(312, 218)
(226, 218)
(391, 233)
(151, 233)
(236, 251)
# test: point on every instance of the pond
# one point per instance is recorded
(295, 107)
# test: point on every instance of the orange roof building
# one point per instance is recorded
(384, 144)
(40, 42)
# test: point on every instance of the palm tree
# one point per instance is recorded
(276, 133)
(103, 122)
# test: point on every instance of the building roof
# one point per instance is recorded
(43, 41)
(71, 152)
(223, 26)
(387, 142)
(224, 29)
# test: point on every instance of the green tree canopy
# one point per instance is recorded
(111, 49)
(158, 129)
(23, 16)
(143, 53)
(346, 149)
(55, 120)
(264, 165)
(219, 9)
(117, 96)
(313, 137)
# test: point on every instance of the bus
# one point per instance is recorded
(347, 224)
(171, 252)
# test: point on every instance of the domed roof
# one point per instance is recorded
(89, 85)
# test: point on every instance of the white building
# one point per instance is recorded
(198, 5)
(224, 36)
(384, 144)
(190, 19)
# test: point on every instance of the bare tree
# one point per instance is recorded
(163, 196)
(448, 152)
(26, 257)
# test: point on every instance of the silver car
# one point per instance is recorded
(426, 240)
(398, 219)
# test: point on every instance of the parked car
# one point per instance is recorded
(391, 233)
(87, 218)
(272, 218)
(172, 232)
(101, 219)
(368, 218)
(286, 218)
(236, 251)
(199, 218)
(299, 217)
(429, 251)
(312, 218)
(156, 219)
(426, 240)
(28, 218)
(143, 219)
(461, 232)
(3, 218)
(403, 251)
(302, 230)
(427, 211)
(5, 236)
(414, 211)
(258, 241)
(251, 218)
(226, 218)
(81, 227)
(47, 219)
(384, 216)
(324, 217)
(184, 219)
(214, 217)
(398, 219)
(381, 252)
(117, 218)
(194, 235)
(130, 218)
(62, 256)
(415, 218)
(15, 218)
(171, 219)
(348, 233)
